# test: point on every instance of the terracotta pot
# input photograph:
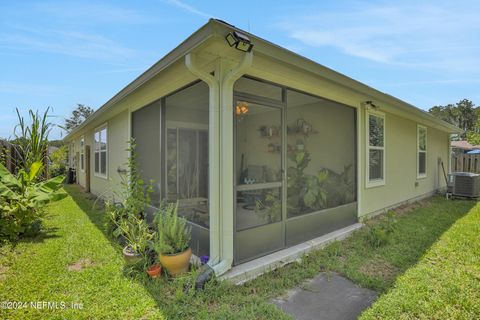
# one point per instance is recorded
(176, 263)
(130, 256)
(154, 271)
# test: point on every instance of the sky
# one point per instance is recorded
(60, 53)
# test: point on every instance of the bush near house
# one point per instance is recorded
(445, 284)
(24, 194)
(58, 162)
(23, 198)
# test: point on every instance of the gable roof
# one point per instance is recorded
(464, 145)
(219, 28)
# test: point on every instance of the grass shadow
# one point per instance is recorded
(44, 234)
(92, 208)
(375, 268)
(416, 230)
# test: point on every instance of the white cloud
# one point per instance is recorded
(439, 35)
(91, 13)
(72, 43)
(182, 5)
(11, 87)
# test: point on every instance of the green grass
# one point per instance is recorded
(37, 269)
(415, 231)
(445, 284)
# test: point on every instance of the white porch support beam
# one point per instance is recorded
(221, 150)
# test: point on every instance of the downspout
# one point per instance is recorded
(221, 114)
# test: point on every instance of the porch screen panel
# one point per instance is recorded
(186, 122)
(321, 154)
(146, 132)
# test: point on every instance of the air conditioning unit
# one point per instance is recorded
(464, 184)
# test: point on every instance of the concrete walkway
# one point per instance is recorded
(252, 269)
(327, 296)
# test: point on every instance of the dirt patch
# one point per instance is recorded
(405, 208)
(3, 271)
(379, 268)
(80, 265)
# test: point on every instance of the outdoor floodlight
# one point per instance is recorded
(370, 104)
(240, 41)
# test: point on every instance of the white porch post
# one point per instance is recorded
(221, 157)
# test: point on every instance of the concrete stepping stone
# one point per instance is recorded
(327, 296)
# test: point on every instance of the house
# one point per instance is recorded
(462, 147)
(262, 148)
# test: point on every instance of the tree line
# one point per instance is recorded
(463, 114)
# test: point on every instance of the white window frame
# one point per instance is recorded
(97, 150)
(377, 182)
(82, 153)
(422, 175)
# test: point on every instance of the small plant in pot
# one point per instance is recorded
(137, 236)
(154, 270)
(172, 240)
(153, 266)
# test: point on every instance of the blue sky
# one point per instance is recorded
(59, 53)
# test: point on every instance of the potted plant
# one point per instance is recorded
(172, 240)
(154, 270)
(152, 265)
(137, 236)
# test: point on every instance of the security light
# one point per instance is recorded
(240, 41)
(370, 104)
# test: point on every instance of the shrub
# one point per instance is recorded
(22, 200)
(58, 162)
(172, 233)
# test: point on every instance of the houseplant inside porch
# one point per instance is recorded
(172, 239)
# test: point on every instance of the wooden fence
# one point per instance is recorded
(10, 158)
(8, 155)
(466, 163)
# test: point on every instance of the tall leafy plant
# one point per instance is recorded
(134, 195)
(23, 198)
(306, 192)
(31, 139)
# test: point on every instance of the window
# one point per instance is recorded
(375, 149)
(100, 164)
(421, 151)
(82, 153)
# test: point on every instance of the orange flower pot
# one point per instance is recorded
(176, 263)
(154, 271)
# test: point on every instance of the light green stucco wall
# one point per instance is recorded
(400, 132)
(401, 164)
(117, 128)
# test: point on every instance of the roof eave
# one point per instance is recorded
(194, 40)
(270, 49)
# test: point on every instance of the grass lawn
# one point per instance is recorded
(445, 284)
(75, 262)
